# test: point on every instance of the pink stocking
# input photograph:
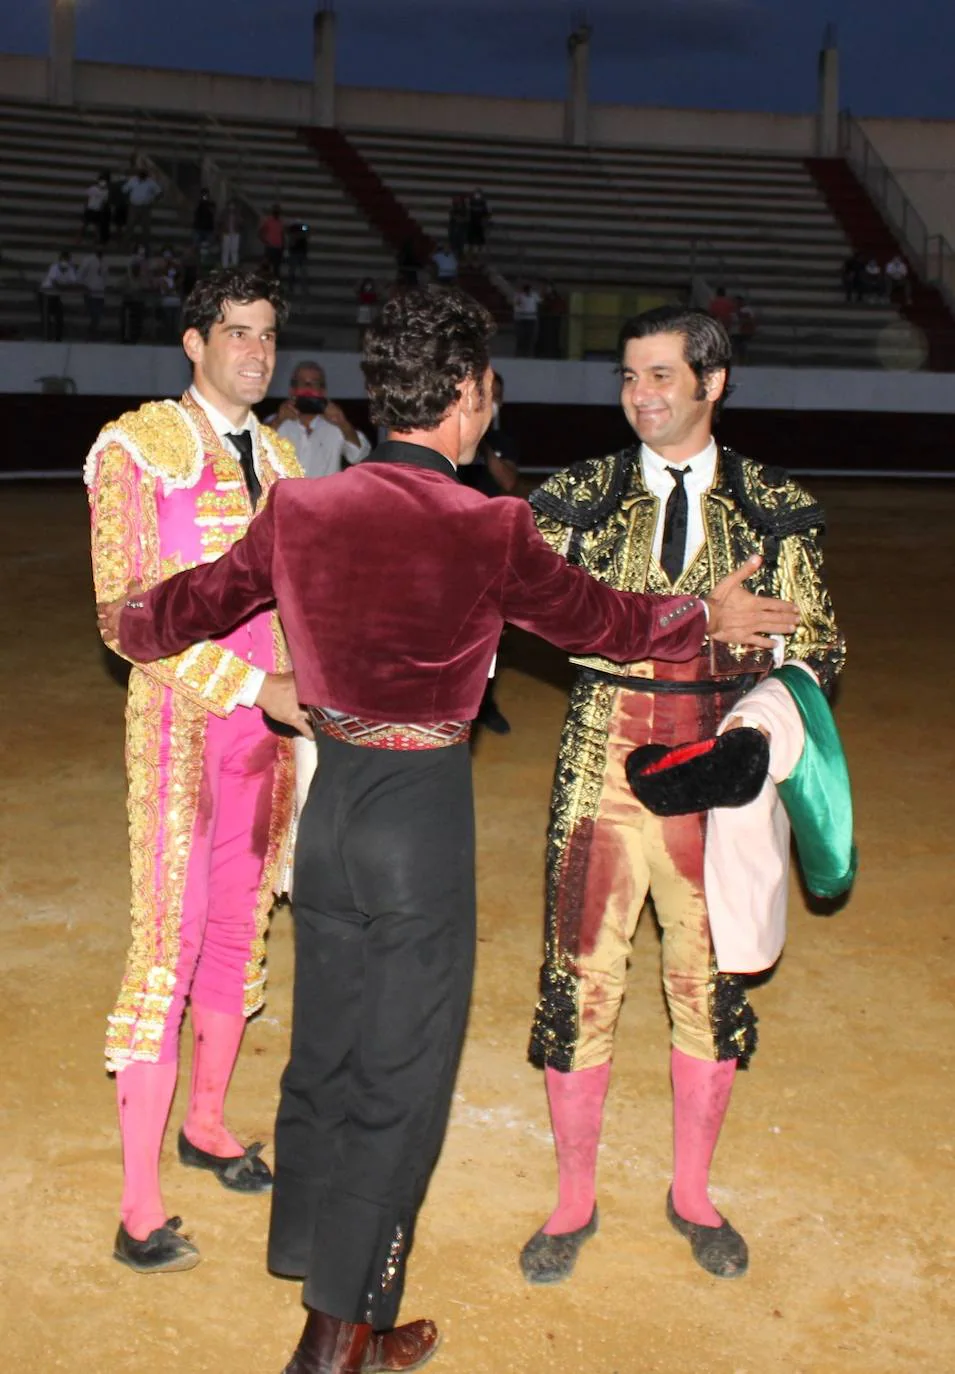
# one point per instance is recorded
(701, 1095)
(144, 1095)
(576, 1111)
(216, 1036)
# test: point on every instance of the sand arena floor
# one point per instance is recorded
(836, 1162)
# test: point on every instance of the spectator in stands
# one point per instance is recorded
(873, 283)
(744, 327)
(897, 280)
(135, 290)
(92, 276)
(445, 262)
(367, 294)
(169, 285)
(550, 322)
(272, 238)
(320, 430)
(458, 217)
(479, 219)
(526, 306)
(852, 277)
(296, 238)
(96, 209)
(143, 191)
(58, 277)
(203, 221)
(723, 308)
(118, 205)
(408, 265)
(230, 229)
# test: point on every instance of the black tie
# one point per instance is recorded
(243, 443)
(673, 550)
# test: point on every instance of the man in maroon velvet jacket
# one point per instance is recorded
(393, 581)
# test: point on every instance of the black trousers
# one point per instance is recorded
(384, 960)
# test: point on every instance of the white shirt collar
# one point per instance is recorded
(218, 421)
(702, 468)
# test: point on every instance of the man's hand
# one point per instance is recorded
(336, 416)
(109, 612)
(278, 698)
(286, 411)
(739, 617)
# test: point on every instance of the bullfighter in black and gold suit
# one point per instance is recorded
(674, 513)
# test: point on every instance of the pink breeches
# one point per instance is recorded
(225, 869)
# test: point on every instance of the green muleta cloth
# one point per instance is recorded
(817, 794)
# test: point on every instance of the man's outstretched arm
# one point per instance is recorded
(197, 604)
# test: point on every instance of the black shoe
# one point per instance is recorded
(162, 1252)
(551, 1259)
(244, 1173)
(490, 717)
(720, 1250)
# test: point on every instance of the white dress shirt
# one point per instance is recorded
(223, 428)
(699, 478)
(321, 447)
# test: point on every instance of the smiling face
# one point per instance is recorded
(234, 366)
(664, 401)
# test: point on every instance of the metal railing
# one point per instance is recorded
(931, 255)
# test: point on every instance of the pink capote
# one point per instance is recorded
(746, 863)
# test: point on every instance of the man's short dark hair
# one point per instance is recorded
(206, 302)
(706, 344)
(424, 344)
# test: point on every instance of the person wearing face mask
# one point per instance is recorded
(173, 484)
(322, 435)
(673, 512)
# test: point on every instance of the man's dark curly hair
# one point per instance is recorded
(706, 344)
(205, 304)
(423, 345)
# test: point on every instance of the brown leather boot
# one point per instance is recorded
(328, 1345)
(406, 1347)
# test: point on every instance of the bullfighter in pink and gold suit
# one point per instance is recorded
(210, 784)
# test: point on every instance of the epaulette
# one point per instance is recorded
(772, 501)
(159, 438)
(588, 491)
(281, 452)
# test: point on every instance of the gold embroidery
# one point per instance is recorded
(283, 802)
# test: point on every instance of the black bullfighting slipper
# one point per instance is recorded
(728, 770)
(551, 1259)
(720, 1250)
(163, 1251)
(244, 1173)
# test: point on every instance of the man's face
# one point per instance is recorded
(662, 398)
(308, 379)
(476, 417)
(235, 364)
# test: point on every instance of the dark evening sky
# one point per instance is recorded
(897, 55)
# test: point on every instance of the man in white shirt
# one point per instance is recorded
(445, 262)
(59, 275)
(675, 512)
(526, 305)
(143, 191)
(319, 429)
(92, 276)
(173, 484)
(897, 280)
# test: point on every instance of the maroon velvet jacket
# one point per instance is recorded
(393, 581)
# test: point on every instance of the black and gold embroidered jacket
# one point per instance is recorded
(600, 514)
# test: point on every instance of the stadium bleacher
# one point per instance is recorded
(597, 220)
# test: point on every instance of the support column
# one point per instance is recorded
(827, 104)
(62, 51)
(577, 108)
(323, 90)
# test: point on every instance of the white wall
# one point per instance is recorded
(921, 154)
(117, 370)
